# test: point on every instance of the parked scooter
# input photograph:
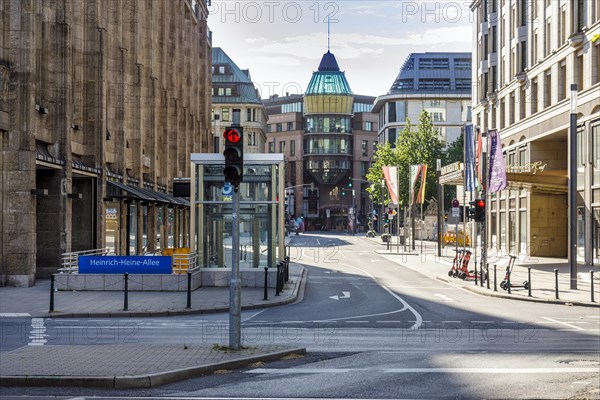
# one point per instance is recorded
(506, 283)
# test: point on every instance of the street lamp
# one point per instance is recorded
(382, 207)
(572, 252)
(353, 212)
(440, 206)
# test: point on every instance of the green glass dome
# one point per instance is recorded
(328, 79)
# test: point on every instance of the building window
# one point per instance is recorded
(392, 111)
(535, 47)
(271, 147)
(221, 70)
(579, 71)
(228, 91)
(502, 112)
(562, 80)
(595, 126)
(463, 84)
(290, 126)
(221, 91)
(548, 37)
(494, 39)
(292, 148)
(462, 63)
(279, 127)
(225, 114)
(547, 88)
(580, 13)
(248, 114)
(534, 95)
(392, 137)
(522, 103)
(562, 26)
(434, 63)
(282, 147)
(364, 148)
(434, 84)
(364, 168)
(511, 106)
(523, 13)
(523, 230)
(523, 56)
(269, 128)
(291, 107)
(375, 144)
(368, 126)
(596, 61)
(216, 144)
(437, 116)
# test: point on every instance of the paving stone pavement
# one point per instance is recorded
(125, 366)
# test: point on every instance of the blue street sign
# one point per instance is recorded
(227, 189)
(124, 264)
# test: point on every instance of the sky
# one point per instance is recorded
(282, 42)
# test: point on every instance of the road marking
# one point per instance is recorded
(565, 324)
(357, 322)
(38, 332)
(14, 315)
(345, 295)
(510, 370)
(483, 322)
(418, 317)
(445, 298)
(389, 322)
(451, 322)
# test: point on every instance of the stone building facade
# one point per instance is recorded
(527, 55)
(101, 104)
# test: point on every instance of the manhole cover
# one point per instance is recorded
(580, 362)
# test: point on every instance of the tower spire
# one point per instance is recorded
(328, 32)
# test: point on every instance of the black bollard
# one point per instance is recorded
(556, 283)
(508, 271)
(277, 280)
(189, 290)
(482, 276)
(529, 281)
(495, 287)
(266, 295)
(487, 275)
(52, 293)
(287, 269)
(476, 282)
(592, 285)
(126, 292)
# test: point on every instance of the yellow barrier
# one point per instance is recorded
(180, 259)
(452, 238)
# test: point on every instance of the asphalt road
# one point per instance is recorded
(373, 329)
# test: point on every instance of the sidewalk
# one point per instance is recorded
(123, 366)
(543, 286)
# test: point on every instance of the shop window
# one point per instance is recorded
(523, 230)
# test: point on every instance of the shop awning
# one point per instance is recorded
(553, 182)
(122, 190)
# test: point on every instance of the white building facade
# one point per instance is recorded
(528, 54)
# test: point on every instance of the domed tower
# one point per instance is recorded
(328, 111)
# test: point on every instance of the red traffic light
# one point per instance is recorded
(480, 203)
(232, 135)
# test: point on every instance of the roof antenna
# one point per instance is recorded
(328, 33)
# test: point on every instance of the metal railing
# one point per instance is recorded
(184, 263)
(70, 261)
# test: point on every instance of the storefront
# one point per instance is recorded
(262, 217)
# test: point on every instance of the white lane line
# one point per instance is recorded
(510, 370)
(483, 322)
(14, 315)
(357, 322)
(443, 297)
(389, 322)
(564, 323)
(451, 322)
(418, 317)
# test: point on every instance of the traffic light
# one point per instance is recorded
(350, 182)
(234, 156)
(471, 213)
(479, 210)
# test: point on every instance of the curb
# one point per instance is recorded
(194, 311)
(518, 297)
(143, 381)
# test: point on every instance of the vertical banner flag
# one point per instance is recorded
(469, 159)
(497, 170)
(414, 175)
(478, 161)
(391, 179)
(421, 193)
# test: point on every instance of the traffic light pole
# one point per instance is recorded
(235, 287)
(484, 197)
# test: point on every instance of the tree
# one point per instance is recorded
(413, 146)
(454, 153)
